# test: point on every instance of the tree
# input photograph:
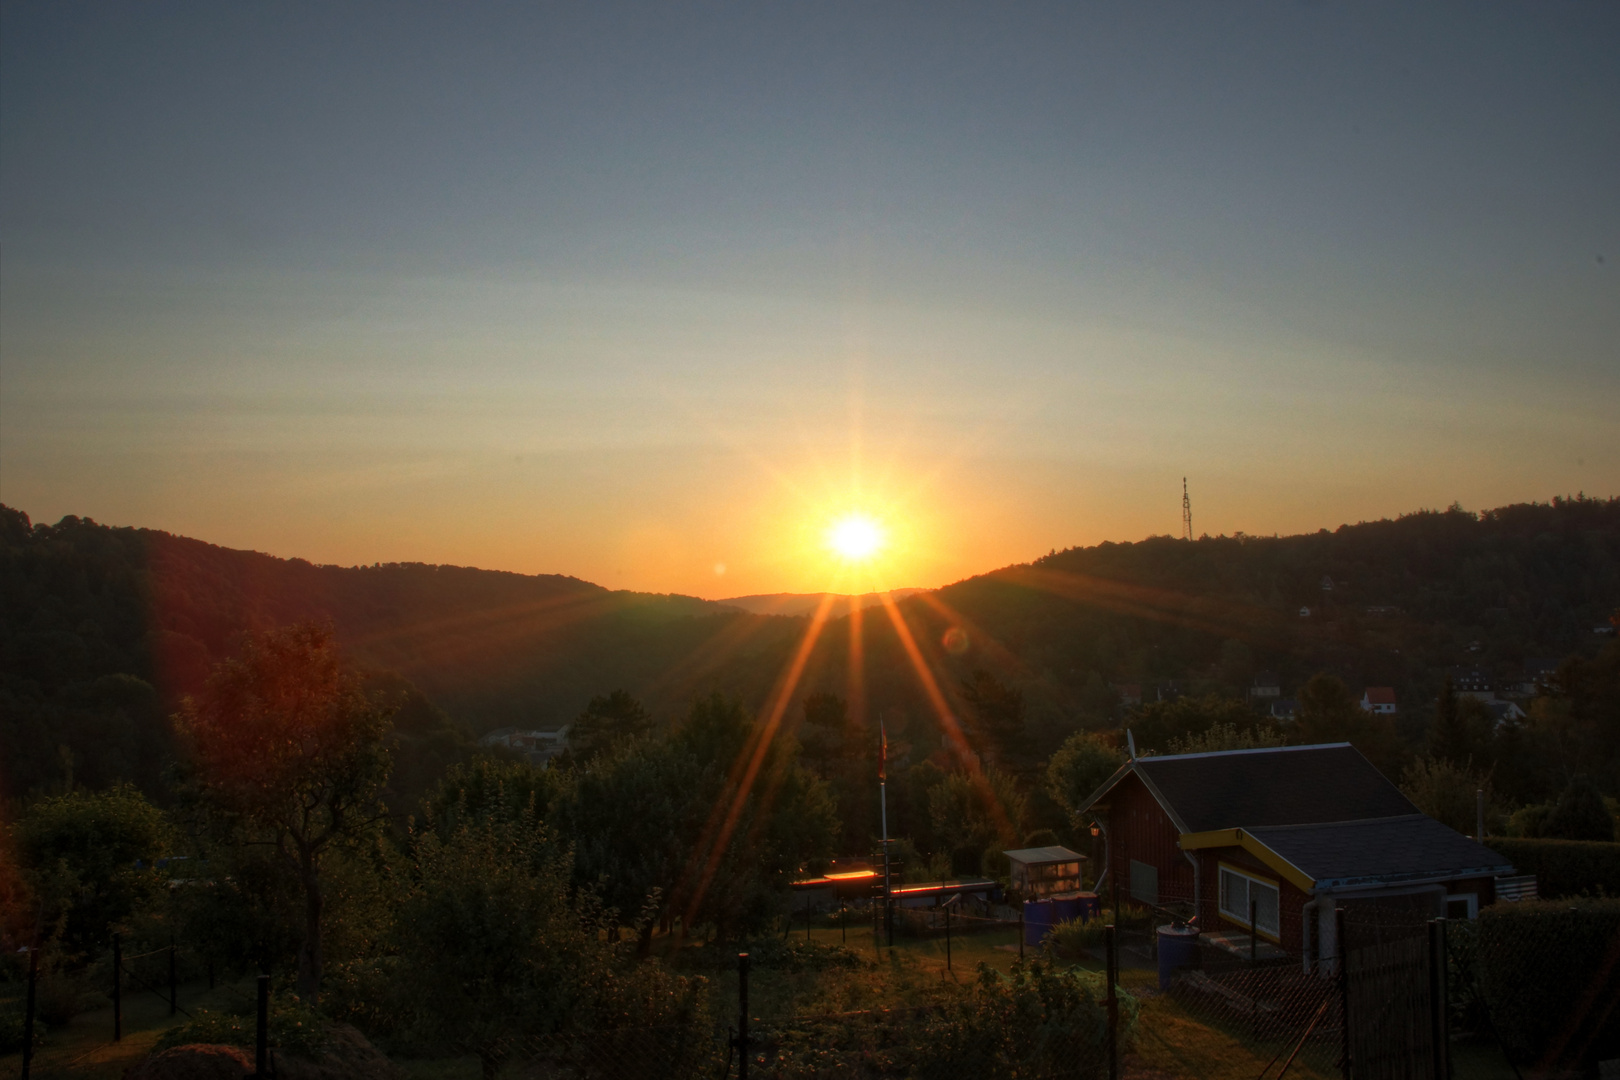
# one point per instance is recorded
(88, 859)
(684, 819)
(1079, 768)
(607, 722)
(1157, 723)
(490, 943)
(291, 751)
(1448, 792)
(1580, 814)
(1219, 737)
(824, 736)
(996, 712)
(974, 813)
(1327, 713)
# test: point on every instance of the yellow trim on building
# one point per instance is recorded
(1239, 839)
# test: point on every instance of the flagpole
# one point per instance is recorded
(883, 801)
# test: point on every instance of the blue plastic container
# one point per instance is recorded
(1178, 948)
(1090, 906)
(1038, 921)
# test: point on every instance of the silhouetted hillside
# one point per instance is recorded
(103, 627)
(808, 603)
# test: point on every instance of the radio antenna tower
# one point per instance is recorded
(1186, 512)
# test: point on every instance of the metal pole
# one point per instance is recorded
(1112, 950)
(1439, 1005)
(1254, 931)
(947, 937)
(888, 912)
(1020, 929)
(843, 927)
(1344, 994)
(173, 1001)
(261, 1039)
(28, 1011)
(742, 1016)
(118, 987)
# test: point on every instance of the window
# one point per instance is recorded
(1462, 905)
(1238, 889)
(1144, 883)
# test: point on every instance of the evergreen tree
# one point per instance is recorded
(1580, 814)
(1448, 737)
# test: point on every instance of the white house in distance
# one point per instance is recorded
(1266, 686)
(1378, 699)
(538, 746)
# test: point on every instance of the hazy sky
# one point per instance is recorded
(632, 293)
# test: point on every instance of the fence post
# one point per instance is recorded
(1344, 993)
(1254, 931)
(1020, 929)
(1439, 998)
(1112, 950)
(118, 987)
(947, 937)
(261, 1038)
(173, 1002)
(28, 1011)
(743, 1041)
(843, 927)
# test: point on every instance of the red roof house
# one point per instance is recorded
(1297, 830)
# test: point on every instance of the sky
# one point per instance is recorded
(656, 295)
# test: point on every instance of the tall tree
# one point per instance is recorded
(607, 722)
(996, 711)
(289, 749)
(1079, 768)
(1327, 713)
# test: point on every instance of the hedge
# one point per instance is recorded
(1549, 972)
(1565, 867)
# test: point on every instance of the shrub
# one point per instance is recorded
(1565, 867)
(1037, 1020)
(1548, 975)
(295, 1028)
(1072, 935)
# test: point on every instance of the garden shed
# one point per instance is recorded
(1045, 871)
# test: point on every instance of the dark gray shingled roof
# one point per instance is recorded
(1382, 849)
(1289, 785)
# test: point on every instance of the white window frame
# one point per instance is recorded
(1471, 898)
(1272, 932)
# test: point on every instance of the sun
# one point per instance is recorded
(855, 537)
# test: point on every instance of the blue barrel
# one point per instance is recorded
(1065, 908)
(1090, 906)
(1038, 920)
(1178, 948)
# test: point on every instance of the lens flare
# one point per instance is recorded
(855, 537)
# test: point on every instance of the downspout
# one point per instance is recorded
(1308, 933)
(1107, 860)
(1198, 877)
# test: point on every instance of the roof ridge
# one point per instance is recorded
(1230, 753)
(1327, 824)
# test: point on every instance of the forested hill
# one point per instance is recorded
(102, 627)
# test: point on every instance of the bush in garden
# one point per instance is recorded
(1038, 1019)
(1549, 974)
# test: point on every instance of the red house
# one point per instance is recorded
(1299, 830)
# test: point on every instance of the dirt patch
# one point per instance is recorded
(200, 1061)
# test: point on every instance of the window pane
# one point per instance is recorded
(1265, 898)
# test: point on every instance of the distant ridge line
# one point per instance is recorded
(807, 603)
